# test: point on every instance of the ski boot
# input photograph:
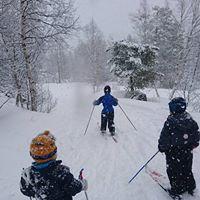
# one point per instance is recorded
(177, 197)
(191, 192)
(112, 133)
(174, 196)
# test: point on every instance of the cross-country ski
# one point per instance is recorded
(161, 180)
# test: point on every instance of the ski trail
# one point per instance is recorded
(108, 165)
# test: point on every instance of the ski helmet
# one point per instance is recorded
(43, 147)
(177, 105)
(107, 89)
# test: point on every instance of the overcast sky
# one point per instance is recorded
(112, 16)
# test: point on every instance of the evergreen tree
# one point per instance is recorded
(142, 25)
(134, 63)
(167, 36)
(160, 28)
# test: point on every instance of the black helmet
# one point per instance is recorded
(177, 105)
(107, 89)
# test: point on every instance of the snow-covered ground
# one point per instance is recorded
(108, 165)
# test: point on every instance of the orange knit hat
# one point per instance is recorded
(43, 147)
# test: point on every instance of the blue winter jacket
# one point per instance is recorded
(108, 102)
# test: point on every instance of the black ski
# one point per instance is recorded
(105, 134)
(113, 137)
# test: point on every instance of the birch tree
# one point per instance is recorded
(28, 29)
(188, 14)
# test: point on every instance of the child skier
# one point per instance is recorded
(107, 114)
(178, 138)
(47, 178)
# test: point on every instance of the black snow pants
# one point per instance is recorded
(179, 170)
(107, 118)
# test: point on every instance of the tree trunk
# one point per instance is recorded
(194, 74)
(59, 64)
(156, 90)
(31, 82)
(177, 82)
(19, 98)
(131, 84)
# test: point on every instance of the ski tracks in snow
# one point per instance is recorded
(108, 165)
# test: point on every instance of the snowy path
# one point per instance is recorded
(108, 165)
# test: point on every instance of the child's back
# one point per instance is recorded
(47, 179)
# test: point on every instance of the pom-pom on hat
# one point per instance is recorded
(47, 133)
(43, 147)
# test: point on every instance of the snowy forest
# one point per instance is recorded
(163, 50)
(99, 99)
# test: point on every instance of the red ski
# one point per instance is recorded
(162, 181)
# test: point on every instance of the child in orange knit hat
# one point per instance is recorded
(47, 178)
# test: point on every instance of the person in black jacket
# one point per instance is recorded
(178, 138)
(47, 178)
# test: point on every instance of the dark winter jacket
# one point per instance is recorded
(49, 181)
(108, 102)
(180, 131)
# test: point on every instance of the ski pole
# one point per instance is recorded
(127, 117)
(143, 167)
(81, 178)
(89, 120)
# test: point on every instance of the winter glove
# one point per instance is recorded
(162, 148)
(94, 103)
(84, 184)
(195, 146)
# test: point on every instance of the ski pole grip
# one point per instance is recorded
(81, 174)
(81, 178)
